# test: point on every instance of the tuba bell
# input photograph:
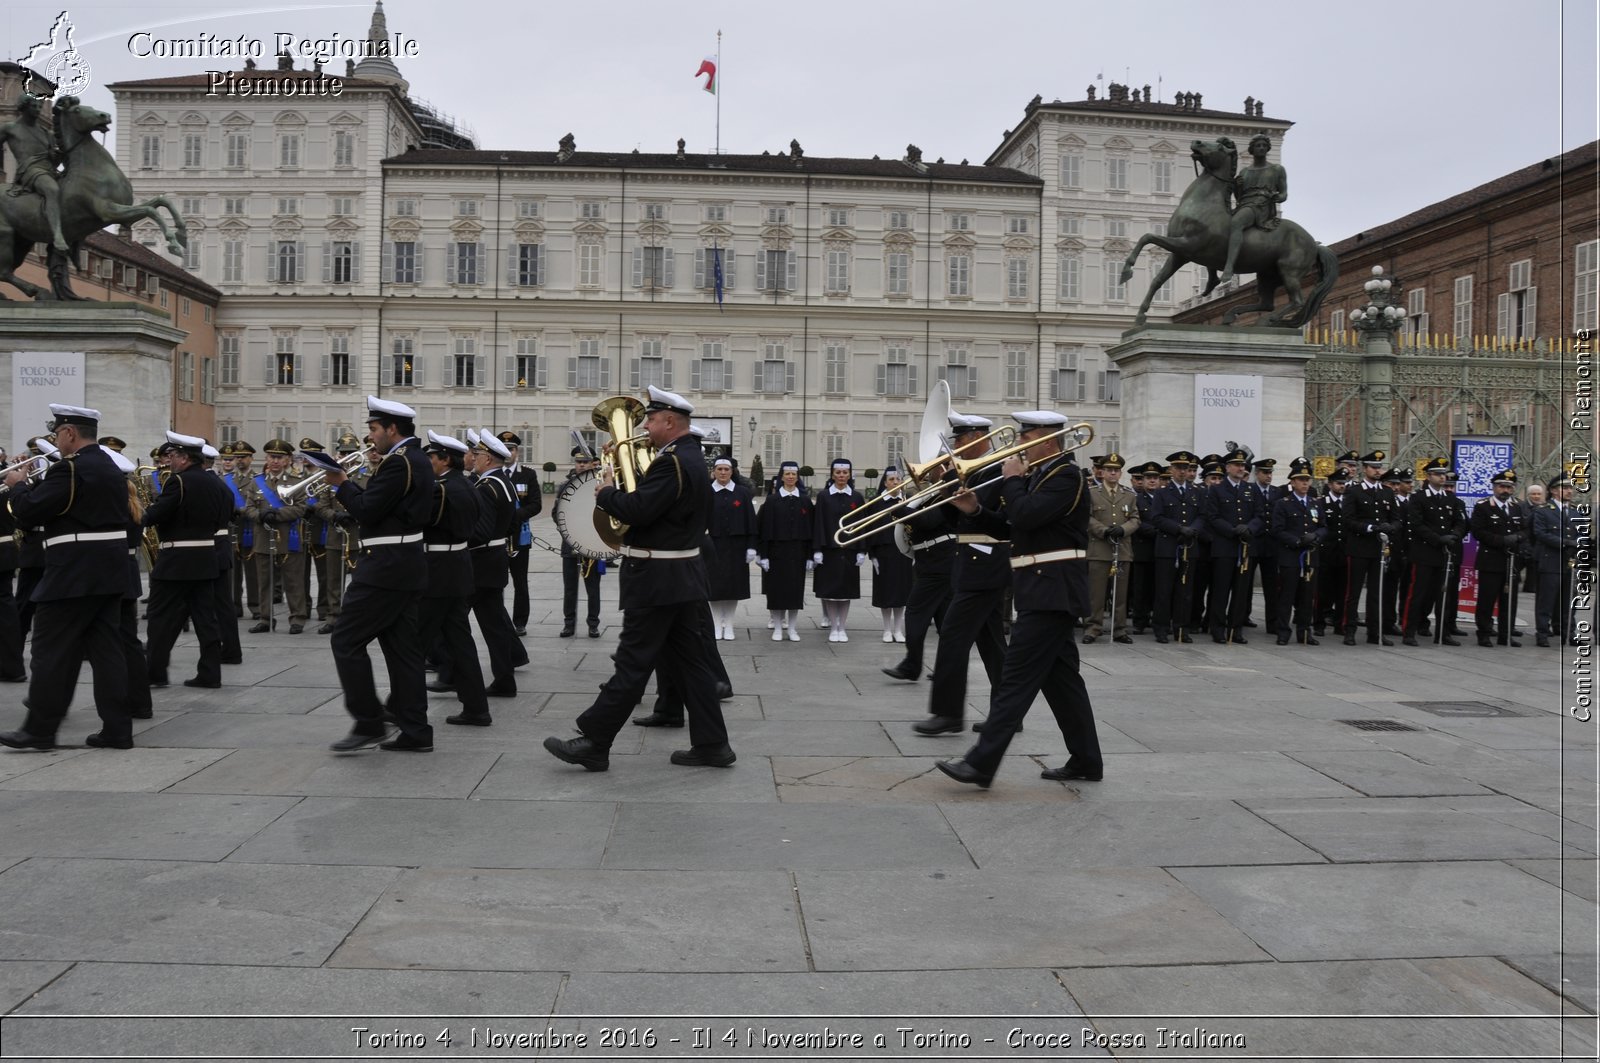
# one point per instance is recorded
(630, 455)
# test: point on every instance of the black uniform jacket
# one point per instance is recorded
(1047, 510)
(668, 511)
(1225, 508)
(1431, 518)
(82, 494)
(1492, 526)
(1555, 534)
(1171, 511)
(497, 509)
(1292, 521)
(397, 501)
(1366, 511)
(455, 514)
(988, 569)
(192, 506)
(529, 495)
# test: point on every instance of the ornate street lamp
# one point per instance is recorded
(1380, 314)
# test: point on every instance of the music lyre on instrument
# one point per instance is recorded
(590, 531)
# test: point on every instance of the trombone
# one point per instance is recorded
(349, 463)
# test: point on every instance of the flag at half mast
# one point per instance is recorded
(708, 67)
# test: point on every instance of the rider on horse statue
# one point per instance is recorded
(35, 152)
(1257, 192)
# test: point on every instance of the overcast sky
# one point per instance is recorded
(1395, 105)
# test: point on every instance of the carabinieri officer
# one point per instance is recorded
(386, 589)
(82, 504)
(663, 596)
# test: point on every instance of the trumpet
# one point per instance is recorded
(300, 488)
(41, 465)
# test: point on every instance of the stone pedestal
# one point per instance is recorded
(1159, 366)
(127, 350)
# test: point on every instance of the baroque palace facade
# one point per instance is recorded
(514, 289)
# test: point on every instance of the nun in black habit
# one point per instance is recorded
(732, 546)
(837, 580)
(784, 530)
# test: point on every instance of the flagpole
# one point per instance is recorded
(718, 149)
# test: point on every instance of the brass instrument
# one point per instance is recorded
(630, 455)
(349, 463)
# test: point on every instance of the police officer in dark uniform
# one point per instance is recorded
(1371, 519)
(1557, 536)
(1501, 528)
(664, 592)
(529, 503)
(1264, 549)
(1397, 588)
(386, 589)
(1141, 570)
(1331, 566)
(1435, 523)
(1211, 475)
(491, 564)
(1048, 515)
(192, 506)
(1233, 512)
(1299, 528)
(442, 622)
(978, 584)
(1175, 518)
(82, 504)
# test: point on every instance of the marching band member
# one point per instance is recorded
(785, 531)
(222, 586)
(82, 504)
(384, 593)
(491, 565)
(932, 532)
(140, 706)
(529, 505)
(279, 541)
(836, 580)
(891, 570)
(11, 666)
(1049, 530)
(442, 620)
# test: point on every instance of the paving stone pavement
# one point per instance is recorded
(1254, 878)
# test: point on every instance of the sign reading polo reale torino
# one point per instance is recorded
(1227, 406)
(39, 378)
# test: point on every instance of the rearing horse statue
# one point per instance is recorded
(1198, 232)
(94, 194)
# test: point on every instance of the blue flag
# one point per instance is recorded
(716, 273)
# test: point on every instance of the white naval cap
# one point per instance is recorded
(80, 415)
(437, 441)
(385, 410)
(488, 441)
(209, 451)
(964, 421)
(667, 400)
(186, 442)
(698, 431)
(48, 449)
(1039, 418)
(123, 463)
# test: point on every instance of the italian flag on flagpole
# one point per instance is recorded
(708, 67)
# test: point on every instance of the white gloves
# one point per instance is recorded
(763, 564)
(861, 559)
(810, 565)
(874, 566)
(749, 556)
(816, 558)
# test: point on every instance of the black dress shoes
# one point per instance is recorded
(157, 681)
(495, 690)
(439, 686)
(98, 740)
(141, 714)
(978, 727)
(1448, 641)
(937, 725)
(1408, 640)
(1307, 639)
(296, 629)
(261, 626)
(1283, 640)
(1126, 640)
(1070, 772)
(1240, 640)
(568, 631)
(900, 671)
(22, 678)
(1349, 638)
(233, 660)
(470, 719)
(1088, 639)
(1249, 623)
(1161, 638)
(658, 719)
(203, 683)
(704, 757)
(1486, 641)
(594, 631)
(724, 691)
(1184, 636)
(1542, 641)
(961, 771)
(521, 630)
(404, 743)
(325, 629)
(581, 751)
(358, 740)
(24, 740)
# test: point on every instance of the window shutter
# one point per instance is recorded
(299, 261)
(669, 267)
(513, 273)
(605, 374)
(728, 261)
(755, 380)
(633, 373)
(480, 371)
(508, 375)
(327, 262)
(299, 368)
(354, 366)
(1422, 325)
(481, 262)
(327, 369)
(572, 374)
(789, 260)
(1530, 306)
(451, 262)
(272, 261)
(666, 373)
(272, 369)
(972, 381)
(417, 375)
(761, 271)
(355, 262)
(788, 377)
(694, 374)
(538, 264)
(883, 378)
(940, 374)
(1055, 386)
(387, 265)
(911, 379)
(702, 274)
(541, 371)
(416, 260)
(638, 274)
(1503, 322)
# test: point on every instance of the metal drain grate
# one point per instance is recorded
(1481, 709)
(1380, 725)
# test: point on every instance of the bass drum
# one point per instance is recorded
(902, 538)
(574, 513)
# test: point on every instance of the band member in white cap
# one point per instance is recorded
(82, 504)
(837, 579)
(1049, 519)
(386, 589)
(443, 625)
(491, 564)
(663, 596)
(222, 587)
(192, 506)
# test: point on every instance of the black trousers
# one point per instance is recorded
(1553, 605)
(443, 629)
(11, 666)
(669, 688)
(133, 658)
(1422, 597)
(929, 601)
(171, 602)
(390, 617)
(68, 631)
(1042, 658)
(1174, 593)
(1452, 594)
(1494, 602)
(1200, 596)
(245, 592)
(1230, 594)
(519, 586)
(669, 637)
(1270, 571)
(571, 568)
(227, 620)
(1395, 590)
(1363, 573)
(1330, 591)
(973, 616)
(506, 652)
(1295, 598)
(1141, 592)
(27, 579)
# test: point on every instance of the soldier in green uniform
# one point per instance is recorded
(285, 550)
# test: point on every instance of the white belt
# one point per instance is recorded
(491, 542)
(223, 534)
(970, 538)
(1052, 555)
(207, 543)
(643, 554)
(444, 548)
(87, 537)
(932, 542)
(392, 540)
